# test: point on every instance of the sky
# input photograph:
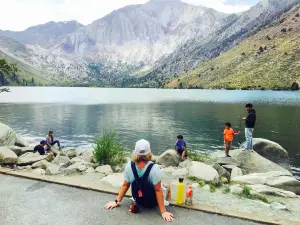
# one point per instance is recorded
(18, 15)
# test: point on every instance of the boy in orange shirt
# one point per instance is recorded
(228, 138)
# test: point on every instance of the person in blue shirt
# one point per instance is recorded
(180, 147)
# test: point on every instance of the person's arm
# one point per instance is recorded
(161, 203)
(120, 197)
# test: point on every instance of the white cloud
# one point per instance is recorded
(20, 14)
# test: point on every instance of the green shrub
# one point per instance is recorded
(108, 151)
(212, 188)
(246, 193)
(202, 183)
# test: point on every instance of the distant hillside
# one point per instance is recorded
(270, 59)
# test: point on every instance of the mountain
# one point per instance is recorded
(233, 30)
(45, 35)
(145, 45)
(269, 59)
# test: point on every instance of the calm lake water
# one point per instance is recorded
(79, 114)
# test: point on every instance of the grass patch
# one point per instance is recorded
(212, 188)
(246, 193)
(201, 182)
(198, 157)
(108, 151)
(226, 190)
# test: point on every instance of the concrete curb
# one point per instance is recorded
(198, 207)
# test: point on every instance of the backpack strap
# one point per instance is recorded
(147, 172)
(135, 174)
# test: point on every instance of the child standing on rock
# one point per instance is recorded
(228, 138)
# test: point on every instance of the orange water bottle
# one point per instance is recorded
(180, 192)
(189, 196)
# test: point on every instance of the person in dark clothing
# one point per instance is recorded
(41, 148)
(250, 121)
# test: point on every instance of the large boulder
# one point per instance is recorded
(180, 172)
(21, 142)
(106, 169)
(168, 158)
(31, 158)
(43, 164)
(87, 156)
(203, 172)
(7, 135)
(80, 166)
(278, 179)
(62, 160)
(221, 171)
(70, 152)
(236, 172)
(7, 156)
(52, 169)
(271, 151)
(21, 150)
(264, 189)
(252, 162)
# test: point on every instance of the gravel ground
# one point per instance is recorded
(26, 202)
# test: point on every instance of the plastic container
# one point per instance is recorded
(180, 192)
(189, 196)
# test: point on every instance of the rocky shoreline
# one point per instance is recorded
(258, 181)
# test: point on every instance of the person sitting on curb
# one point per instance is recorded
(180, 147)
(42, 148)
(50, 141)
(145, 180)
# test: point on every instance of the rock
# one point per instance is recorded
(70, 152)
(76, 167)
(204, 172)
(221, 171)
(278, 206)
(76, 160)
(229, 168)
(185, 163)
(7, 156)
(21, 150)
(43, 164)
(264, 189)
(180, 172)
(295, 86)
(90, 170)
(195, 185)
(88, 156)
(154, 158)
(106, 170)
(277, 179)
(52, 169)
(206, 187)
(30, 158)
(224, 180)
(168, 158)
(61, 160)
(168, 169)
(39, 171)
(21, 142)
(236, 189)
(7, 135)
(271, 151)
(252, 162)
(236, 172)
(116, 180)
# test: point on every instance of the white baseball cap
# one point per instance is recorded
(142, 147)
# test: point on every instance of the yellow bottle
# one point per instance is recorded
(180, 192)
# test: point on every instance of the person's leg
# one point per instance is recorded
(228, 144)
(248, 141)
(169, 191)
(56, 142)
(251, 139)
(183, 155)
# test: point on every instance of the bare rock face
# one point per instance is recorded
(204, 172)
(169, 158)
(7, 136)
(7, 156)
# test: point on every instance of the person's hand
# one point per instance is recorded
(239, 132)
(111, 205)
(167, 216)
(244, 118)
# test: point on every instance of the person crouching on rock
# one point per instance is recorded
(180, 147)
(145, 180)
(42, 148)
(50, 141)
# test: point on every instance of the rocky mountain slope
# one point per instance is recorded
(234, 29)
(143, 45)
(270, 59)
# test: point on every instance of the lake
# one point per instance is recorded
(77, 115)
